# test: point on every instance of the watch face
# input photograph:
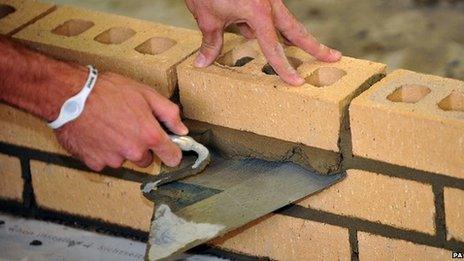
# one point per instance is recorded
(71, 107)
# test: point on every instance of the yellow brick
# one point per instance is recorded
(454, 213)
(412, 120)
(144, 51)
(23, 129)
(15, 14)
(11, 182)
(288, 238)
(374, 247)
(374, 197)
(91, 195)
(245, 98)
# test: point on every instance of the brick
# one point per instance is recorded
(11, 181)
(91, 195)
(23, 129)
(370, 196)
(246, 99)
(454, 213)
(141, 50)
(413, 120)
(15, 14)
(374, 247)
(287, 238)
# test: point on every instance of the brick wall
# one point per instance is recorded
(401, 140)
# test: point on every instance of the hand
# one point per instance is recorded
(120, 122)
(260, 18)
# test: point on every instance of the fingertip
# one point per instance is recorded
(174, 160)
(201, 61)
(333, 56)
(183, 130)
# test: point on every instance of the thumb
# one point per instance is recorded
(210, 47)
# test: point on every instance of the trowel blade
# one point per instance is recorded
(227, 195)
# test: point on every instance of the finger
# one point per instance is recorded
(162, 146)
(211, 44)
(273, 51)
(167, 112)
(246, 31)
(114, 161)
(146, 160)
(296, 33)
(94, 165)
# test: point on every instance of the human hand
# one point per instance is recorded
(260, 18)
(120, 122)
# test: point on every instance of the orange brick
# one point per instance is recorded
(23, 129)
(454, 213)
(11, 181)
(287, 238)
(15, 14)
(412, 120)
(91, 195)
(377, 198)
(245, 98)
(374, 247)
(144, 51)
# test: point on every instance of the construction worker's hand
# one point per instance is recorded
(262, 19)
(121, 122)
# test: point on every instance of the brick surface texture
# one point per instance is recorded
(373, 247)
(454, 213)
(11, 182)
(392, 201)
(288, 238)
(91, 195)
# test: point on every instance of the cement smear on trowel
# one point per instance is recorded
(170, 233)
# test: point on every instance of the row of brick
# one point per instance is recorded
(395, 202)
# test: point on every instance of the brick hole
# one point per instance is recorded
(453, 102)
(6, 10)
(156, 45)
(325, 76)
(73, 27)
(115, 35)
(409, 93)
(238, 58)
(294, 62)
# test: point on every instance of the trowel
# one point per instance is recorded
(192, 209)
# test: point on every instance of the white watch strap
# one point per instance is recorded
(74, 106)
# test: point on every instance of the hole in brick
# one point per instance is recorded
(155, 45)
(294, 62)
(453, 102)
(115, 35)
(6, 10)
(73, 27)
(325, 76)
(238, 58)
(410, 93)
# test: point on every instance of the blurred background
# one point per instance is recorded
(421, 35)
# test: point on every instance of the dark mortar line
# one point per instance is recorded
(221, 253)
(369, 227)
(353, 238)
(440, 223)
(69, 162)
(28, 191)
(72, 220)
(402, 172)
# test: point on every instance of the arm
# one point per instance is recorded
(120, 120)
(262, 19)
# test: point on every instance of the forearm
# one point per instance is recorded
(34, 82)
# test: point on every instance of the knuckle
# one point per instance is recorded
(133, 153)
(153, 138)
